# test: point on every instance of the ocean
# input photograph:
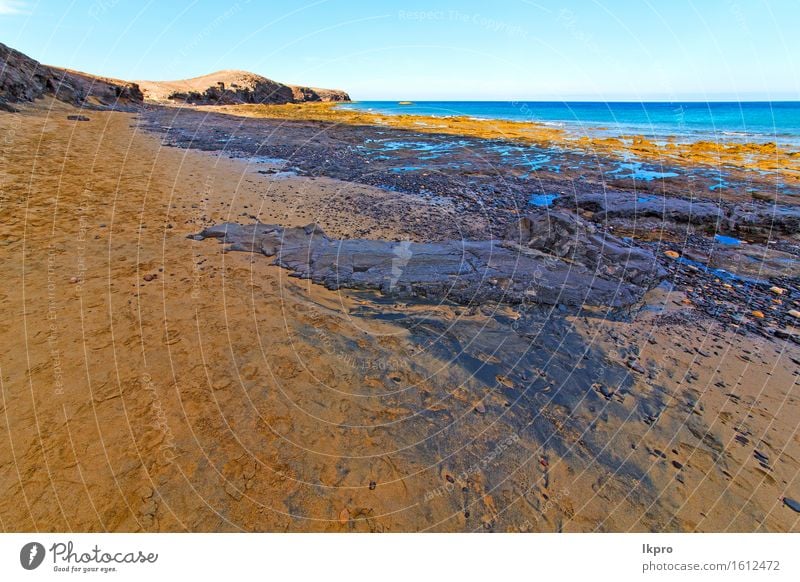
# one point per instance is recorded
(763, 121)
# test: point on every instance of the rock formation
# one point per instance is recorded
(547, 261)
(25, 79)
(745, 218)
(230, 87)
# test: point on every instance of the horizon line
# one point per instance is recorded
(577, 100)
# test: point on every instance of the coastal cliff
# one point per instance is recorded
(25, 79)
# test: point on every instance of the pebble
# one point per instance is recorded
(777, 290)
(372, 485)
(344, 516)
(480, 408)
(791, 504)
(636, 366)
(149, 277)
(604, 390)
(671, 254)
(794, 313)
(758, 314)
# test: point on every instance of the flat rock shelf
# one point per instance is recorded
(535, 264)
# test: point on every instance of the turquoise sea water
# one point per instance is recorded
(777, 121)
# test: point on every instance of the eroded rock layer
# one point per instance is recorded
(552, 258)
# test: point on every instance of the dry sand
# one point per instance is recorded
(151, 382)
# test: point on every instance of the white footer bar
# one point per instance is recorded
(388, 557)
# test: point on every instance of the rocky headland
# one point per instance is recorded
(232, 87)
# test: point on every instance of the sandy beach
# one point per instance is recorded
(154, 382)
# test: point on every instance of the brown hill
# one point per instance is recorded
(231, 86)
(25, 79)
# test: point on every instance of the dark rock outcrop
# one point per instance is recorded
(302, 94)
(568, 237)
(545, 268)
(25, 79)
(752, 218)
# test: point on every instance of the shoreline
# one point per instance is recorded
(596, 129)
(748, 156)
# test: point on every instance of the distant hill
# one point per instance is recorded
(230, 86)
(25, 79)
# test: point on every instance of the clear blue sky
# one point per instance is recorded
(410, 49)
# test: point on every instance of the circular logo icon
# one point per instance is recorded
(31, 555)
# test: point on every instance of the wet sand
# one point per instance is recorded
(155, 383)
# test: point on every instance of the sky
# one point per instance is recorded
(601, 50)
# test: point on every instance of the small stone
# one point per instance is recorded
(677, 465)
(73, 279)
(636, 366)
(777, 290)
(480, 408)
(150, 277)
(757, 314)
(344, 516)
(794, 313)
(77, 118)
(604, 390)
(671, 254)
(791, 504)
(372, 485)
(233, 491)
